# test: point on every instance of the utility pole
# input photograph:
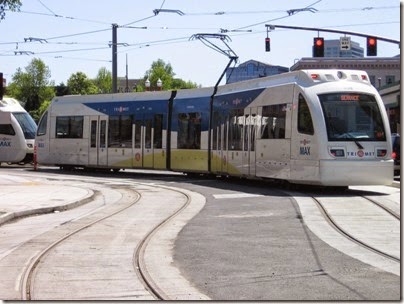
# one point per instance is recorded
(114, 58)
(127, 79)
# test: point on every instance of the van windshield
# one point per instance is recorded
(352, 117)
(27, 124)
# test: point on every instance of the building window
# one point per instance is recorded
(250, 69)
(390, 79)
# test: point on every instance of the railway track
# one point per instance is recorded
(130, 197)
(353, 232)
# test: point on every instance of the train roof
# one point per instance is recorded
(8, 104)
(304, 78)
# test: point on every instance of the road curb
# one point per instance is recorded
(396, 185)
(10, 216)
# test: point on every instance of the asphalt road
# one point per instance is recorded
(251, 242)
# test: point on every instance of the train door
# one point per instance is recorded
(143, 139)
(219, 144)
(248, 159)
(222, 146)
(98, 152)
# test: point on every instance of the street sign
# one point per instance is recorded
(345, 43)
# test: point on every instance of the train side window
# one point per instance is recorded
(7, 129)
(304, 120)
(158, 131)
(103, 132)
(273, 121)
(93, 143)
(236, 125)
(43, 125)
(120, 131)
(69, 127)
(138, 133)
(148, 134)
(189, 131)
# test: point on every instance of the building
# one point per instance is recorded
(253, 69)
(129, 85)
(332, 48)
(391, 95)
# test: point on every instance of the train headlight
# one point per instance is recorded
(337, 152)
(30, 146)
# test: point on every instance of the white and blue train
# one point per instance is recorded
(320, 127)
(17, 132)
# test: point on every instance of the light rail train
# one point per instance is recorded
(17, 132)
(320, 127)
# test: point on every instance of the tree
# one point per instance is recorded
(12, 5)
(103, 81)
(33, 86)
(181, 84)
(62, 90)
(160, 70)
(79, 83)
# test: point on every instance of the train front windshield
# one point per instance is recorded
(351, 117)
(27, 124)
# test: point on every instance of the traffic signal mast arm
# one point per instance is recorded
(273, 26)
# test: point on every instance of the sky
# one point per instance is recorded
(75, 36)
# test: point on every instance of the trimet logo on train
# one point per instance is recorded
(360, 153)
(121, 109)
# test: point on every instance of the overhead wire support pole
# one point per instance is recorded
(114, 58)
(273, 26)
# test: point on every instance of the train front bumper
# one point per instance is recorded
(355, 173)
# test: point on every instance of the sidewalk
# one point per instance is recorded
(21, 197)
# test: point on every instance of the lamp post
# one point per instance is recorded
(147, 84)
(159, 84)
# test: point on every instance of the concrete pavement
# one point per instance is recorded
(22, 197)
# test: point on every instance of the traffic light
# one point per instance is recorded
(371, 46)
(318, 47)
(267, 44)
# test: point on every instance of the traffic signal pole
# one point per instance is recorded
(273, 26)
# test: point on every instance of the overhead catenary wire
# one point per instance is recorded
(136, 45)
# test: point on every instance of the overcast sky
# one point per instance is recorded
(71, 36)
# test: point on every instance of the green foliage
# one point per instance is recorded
(12, 5)
(33, 86)
(103, 81)
(35, 90)
(36, 114)
(160, 70)
(79, 83)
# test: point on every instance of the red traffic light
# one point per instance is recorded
(371, 46)
(318, 47)
(372, 41)
(318, 42)
(267, 44)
